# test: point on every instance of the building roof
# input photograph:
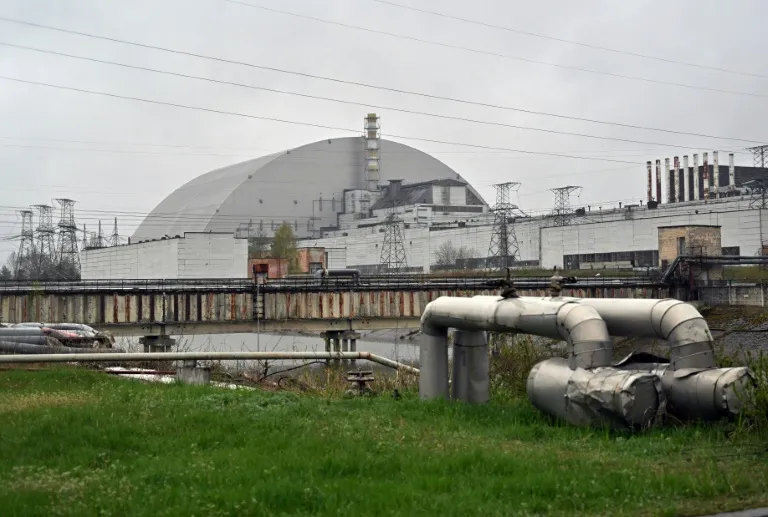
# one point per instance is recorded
(422, 193)
(285, 187)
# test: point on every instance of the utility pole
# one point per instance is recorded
(562, 213)
(503, 249)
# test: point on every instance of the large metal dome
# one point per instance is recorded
(302, 186)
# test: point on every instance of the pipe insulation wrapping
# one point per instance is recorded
(471, 382)
(711, 394)
(602, 397)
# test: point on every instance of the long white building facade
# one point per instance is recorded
(627, 235)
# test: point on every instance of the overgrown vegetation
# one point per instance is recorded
(78, 442)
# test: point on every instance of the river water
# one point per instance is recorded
(392, 344)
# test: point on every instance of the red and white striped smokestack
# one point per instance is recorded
(676, 174)
(696, 190)
(658, 181)
(731, 174)
(706, 176)
(686, 180)
(650, 181)
(670, 185)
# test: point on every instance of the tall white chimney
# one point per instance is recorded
(658, 181)
(696, 195)
(676, 173)
(706, 176)
(686, 180)
(650, 181)
(670, 184)
(716, 173)
(731, 174)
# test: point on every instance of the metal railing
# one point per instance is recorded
(364, 282)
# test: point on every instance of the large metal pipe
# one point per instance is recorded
(696, 194)
(678, 323)
(694, 393)
(624, 400)
(470, 381)
(650, 181)
(15, 347)
(716, 174)
(580, 326)
(206, 356)
(658, 181)
(686, 180)
(731, 174)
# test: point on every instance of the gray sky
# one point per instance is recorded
(114, 176)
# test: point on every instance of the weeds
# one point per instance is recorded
(513, 358)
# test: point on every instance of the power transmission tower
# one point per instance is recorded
(26, 251)
(757, 199)
(503, 249)
(114, 239)
(46, 248)
(68, 253)
(393, 250)
(562, 213)
(98, 239)
(759, 155)
(85, 244)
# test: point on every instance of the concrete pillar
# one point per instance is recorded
(191, 373)
(157, 343)
(353, 348)
(470, 367)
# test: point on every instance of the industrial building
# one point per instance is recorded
(193, 255)
(367, 203)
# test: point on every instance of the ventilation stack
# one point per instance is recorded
(686, 180)
(671, 186)
(658, 181)
(650, 181)
(715, 173)
(696, 189)
(731, 175)
(706, 176)
(372, 151)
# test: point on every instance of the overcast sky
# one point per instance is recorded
(134, 154)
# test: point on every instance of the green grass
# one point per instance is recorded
(76, 442)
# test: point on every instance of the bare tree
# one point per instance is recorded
(448, 255)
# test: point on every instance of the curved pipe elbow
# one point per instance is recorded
(687, 333)
(587, 336)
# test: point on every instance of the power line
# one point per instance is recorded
(495, 54)
(308, 124)
(572, 42)
(371, 86)
(341, 101)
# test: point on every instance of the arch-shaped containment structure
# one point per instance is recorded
(302, 186)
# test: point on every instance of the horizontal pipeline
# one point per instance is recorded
(205, 356)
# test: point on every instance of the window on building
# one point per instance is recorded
(681, 245)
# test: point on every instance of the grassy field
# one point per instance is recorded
(77, 442)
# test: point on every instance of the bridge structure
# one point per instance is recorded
(185, 307)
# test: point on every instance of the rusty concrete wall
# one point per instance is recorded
(403, 304)
(115, 308)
